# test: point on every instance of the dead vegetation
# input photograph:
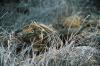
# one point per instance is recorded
(41, 36)
(39, 41)
(37, 35)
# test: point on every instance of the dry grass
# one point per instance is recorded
(80, 50)
(72, 41)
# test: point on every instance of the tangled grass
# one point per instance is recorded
(80, 48)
